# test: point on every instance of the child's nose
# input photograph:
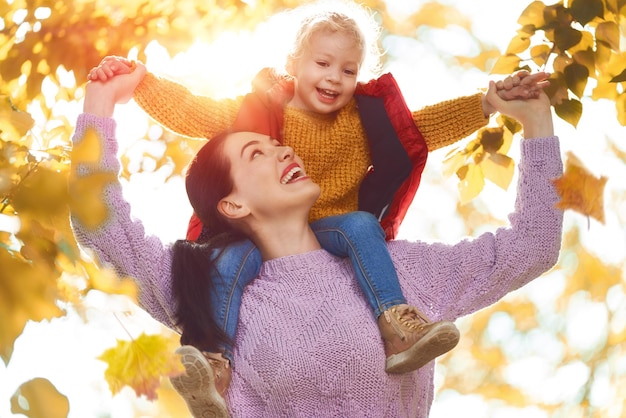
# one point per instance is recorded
(333, 75)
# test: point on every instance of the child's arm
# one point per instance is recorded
(179, 110)
(447, 122)
(450, 121)
(171, 104)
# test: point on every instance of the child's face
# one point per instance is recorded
(326, 74)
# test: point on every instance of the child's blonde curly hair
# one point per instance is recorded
(345, 17)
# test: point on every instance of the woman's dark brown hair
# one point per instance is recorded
(207, 180)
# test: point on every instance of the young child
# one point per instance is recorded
(364, 148)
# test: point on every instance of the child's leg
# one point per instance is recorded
(237, 265)
(358, 235)
(411, 340)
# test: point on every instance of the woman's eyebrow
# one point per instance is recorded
(249, 144)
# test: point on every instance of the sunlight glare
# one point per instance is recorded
(225, 67)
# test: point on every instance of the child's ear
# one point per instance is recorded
(231, 209)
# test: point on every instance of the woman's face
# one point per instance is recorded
(269, 179)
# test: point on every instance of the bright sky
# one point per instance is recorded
(428, 80)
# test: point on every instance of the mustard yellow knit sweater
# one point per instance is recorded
(333, 147)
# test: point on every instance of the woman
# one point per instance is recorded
(306, 345)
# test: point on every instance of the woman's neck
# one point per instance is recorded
(284, 239)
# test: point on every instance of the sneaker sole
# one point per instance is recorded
(439, 340)
(197, 385)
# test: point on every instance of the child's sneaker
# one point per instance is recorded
(411, 340)
(204, 382)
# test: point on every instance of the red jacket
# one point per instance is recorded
(397, 148)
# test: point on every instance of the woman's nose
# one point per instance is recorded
(286, 153)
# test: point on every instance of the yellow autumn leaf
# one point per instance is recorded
(506, 64)
(140, 364)
(540, 54)
(471, 182)
(499, 169)
(27, 293)
(523, 312)
(492, 357)
(88, 150)
(86, 196)
(13, 123)
(86, 192)
(453, 161)
(180, 151)
(504, 392)
(39, 398)
(570, 110)
(106, 280)
(580, 190)
(533, 15)
(592, 275)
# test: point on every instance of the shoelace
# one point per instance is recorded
(405, 317)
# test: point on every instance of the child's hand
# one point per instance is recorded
(522, 85)
(111, 66)
(102, 96)
(534, 114)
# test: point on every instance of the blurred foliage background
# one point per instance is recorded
(556, 349)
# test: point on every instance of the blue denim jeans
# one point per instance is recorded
(356, 235)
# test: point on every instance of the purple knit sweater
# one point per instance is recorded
(307, 344)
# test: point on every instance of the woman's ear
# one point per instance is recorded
(231, 209)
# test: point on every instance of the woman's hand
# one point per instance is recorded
(534, 114)
(519, 85)
(102, 96)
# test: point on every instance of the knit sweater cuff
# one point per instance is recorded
(104, 126)
(144, 94)
(541, 149)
